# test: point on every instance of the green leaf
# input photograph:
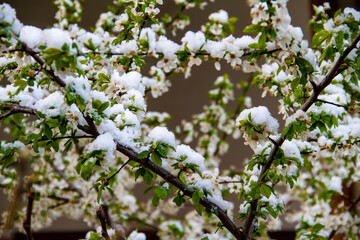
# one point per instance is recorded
(47, 131)
(103, 107)
(319, 37)
(162, 150)
(161, 192)
(110, 191)
(52, 123)
(317, 227)
(197, 196)
(80, 102)
(265, 190)
(255, 191)
(304, 65)
(253, 29)
(96, 104)
(55, 145)
(143, 154)
(155, 200)
(94, 236)
(90, 45)
(148, 176)
(156, 158)
(149, 189)
(199, 209)
(271, 211)
(339, 41)
(179, 200)
(99, 195)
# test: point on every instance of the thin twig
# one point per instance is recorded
(60, 138)
(71, 185)
(335, 104)
(114, 174)
(227, 182)
(173, 19)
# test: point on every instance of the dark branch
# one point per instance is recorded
(42, 63)
(147, 163)
(101, 216)
(29, 206)
(351, 208)
(330, 76)
(313, 98)
(60, 138)
(335, 104)
(120, 232)
(13, 109)
(109, 178)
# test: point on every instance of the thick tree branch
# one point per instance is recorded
(29, 206)
(101, 216)
(278, 142)
(330, 75)
(13, 109)
(147, 163)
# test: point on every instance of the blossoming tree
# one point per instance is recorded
(74, 103)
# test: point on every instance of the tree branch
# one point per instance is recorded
(335, 104)
(60, 138)
(330, 76)
(278, 142)
(101, 216)
(13, 109)
(29, 206)
(42, 63)
(109, 178)
(351, 208)
(147, 163)
(71, 185)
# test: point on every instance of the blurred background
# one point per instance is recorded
(186, 96)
